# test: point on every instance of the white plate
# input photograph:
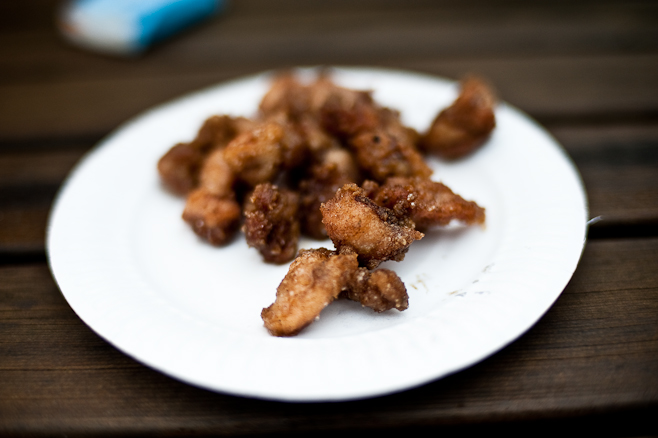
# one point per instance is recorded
(138, 276)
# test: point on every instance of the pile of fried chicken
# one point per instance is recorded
(326, 161)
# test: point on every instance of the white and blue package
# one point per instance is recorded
(128, 27)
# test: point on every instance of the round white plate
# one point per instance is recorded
(137, 275)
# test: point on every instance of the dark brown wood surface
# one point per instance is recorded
(586, 70)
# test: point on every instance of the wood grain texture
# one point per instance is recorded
(551, 60)
(594, 351)
(312, 33)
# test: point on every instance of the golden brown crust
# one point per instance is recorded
(216, 176)
(271, 224)
(465, 125)
(356, 224)
(213, 218)
(293, 143)
(256, 156)
(335, 168)
(380, 290)
(382, 155)
(426, 202)
(179, 168)
(286, 95)
(347, 113)
(315, 278)
(218, 131)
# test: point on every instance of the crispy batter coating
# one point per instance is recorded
(335, 168)
(271, 224)
(382, 145)
(213, 218)
(381, 290)
(316, 138)
(428, 203)
(346, 113)
(287, 95)
(356, 224)
(216, 176)
(389, 119)
(382, 155)
(218, 131)
(179, 167)
(293, 143)
(465, 125)
(315, 278)
(256, 156)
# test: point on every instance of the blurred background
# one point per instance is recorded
(550, 58)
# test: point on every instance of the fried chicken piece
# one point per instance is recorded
(463, 126)
(259, 155)
(428, 203)
(213, 218)
(179, 167)
(316, 138)
(356, 224)
(271, 224)
(389, 120)
(342, 111)
(216, 176)
(349, 112)
(382, 145)
(382, 155)
(255, 157)
(336, 168)
(293, 143)
(218, 131)
(315, 278)
(381, 290)
(287, 95)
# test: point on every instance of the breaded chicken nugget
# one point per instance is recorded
(271, 224)
(463, 126)
(335, 168)
(293, 143)
(218, 131)
(426, 202)
(216, 176)
(287, 95)
(380, 290)
(347, 113)
(213, 218)
(356, 224)
(315, 278)
(179, 167)
(255, 157)
(382, 155)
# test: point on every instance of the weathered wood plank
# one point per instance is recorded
(37, 167)
(619, 167)
(593, 352)
(270, 35)
(547, 88)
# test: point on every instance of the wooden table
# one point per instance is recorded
(587, 70)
